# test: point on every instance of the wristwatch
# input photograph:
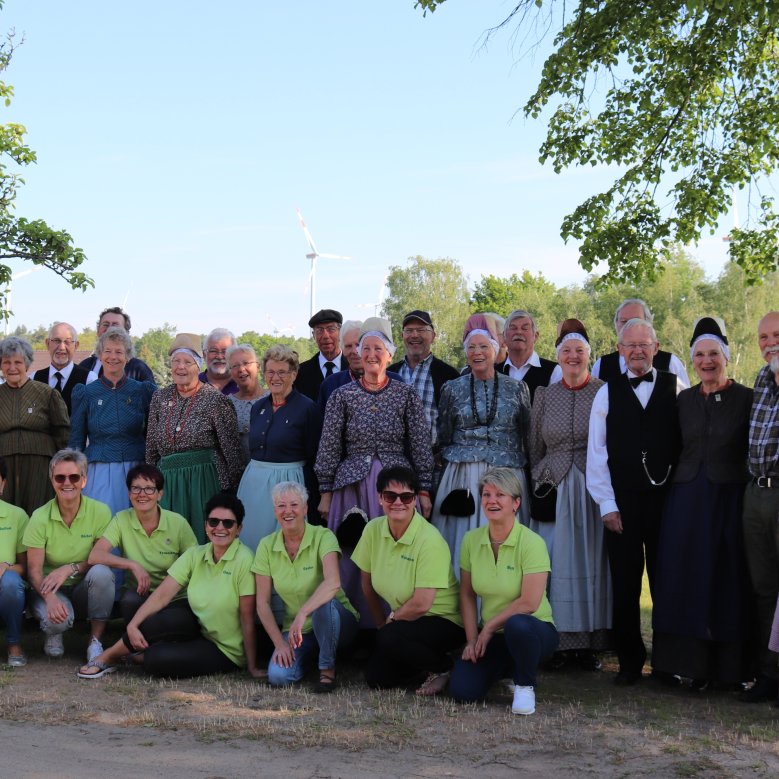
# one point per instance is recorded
(74, 567)
(391, 617)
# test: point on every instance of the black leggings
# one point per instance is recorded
(408, 648)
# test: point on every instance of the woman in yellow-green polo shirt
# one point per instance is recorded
(507, 566)
(406, 563)
(300, 561)
(150, 539)
(220, 591)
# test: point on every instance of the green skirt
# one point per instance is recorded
(190, 481)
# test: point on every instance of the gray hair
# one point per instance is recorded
(630, 302)
(519, 314)
(11, 346)
(73, 332)
(240, 348)
(217, 334)
(497, 319)
(284, 487)
(504, 479)
(118, 335)
(281, 353)
(631, 323)
(348, 326)
(79, 459)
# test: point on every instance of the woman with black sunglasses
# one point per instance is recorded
(220, 591)
(406, 564)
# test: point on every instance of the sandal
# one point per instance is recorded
(434, 684)
(102, 670)
(326, 682)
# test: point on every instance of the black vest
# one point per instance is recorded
(610, 369)
(632, 430)
(535, 376)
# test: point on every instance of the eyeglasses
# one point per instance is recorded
(329, 329)
(406, 498)
(61, 341)
(136, 490)
(183, 363)
(227, 524)
(73, 478)
(280, 374)
(411, 331)
(216, 352)
(632, 347)
(242, 365)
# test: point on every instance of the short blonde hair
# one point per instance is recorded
(281, 353)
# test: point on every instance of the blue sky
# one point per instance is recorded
(175, 141)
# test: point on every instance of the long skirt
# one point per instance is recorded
(107, 482)
(773, 641)
(190, 481)
(28, 484)
(466, 476)
(580, 583)
(701, 601)
(361, 495)
(255, 489)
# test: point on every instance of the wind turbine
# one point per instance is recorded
(313, 255)
(376, 306)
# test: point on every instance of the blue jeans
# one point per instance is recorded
(517, 652)
(92, 597)
(11, 606)
(334, 626)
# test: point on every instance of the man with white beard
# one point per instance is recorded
(217, 372)
(761, 504)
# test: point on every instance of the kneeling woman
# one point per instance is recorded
(507, 566)
(220, 591)
(405, 561)
(301, 562)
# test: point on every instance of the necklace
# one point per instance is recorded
(374, 387)
(492, 406)
(575, 387)
(180, 424)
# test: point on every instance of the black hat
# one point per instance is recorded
(326, 315)
(422, 316)
(707, 325)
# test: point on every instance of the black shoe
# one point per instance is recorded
(627, 678)
(764, 689)
(666, 679)
(557, 661)
(588, 660)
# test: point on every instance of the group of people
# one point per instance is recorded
(475, 523)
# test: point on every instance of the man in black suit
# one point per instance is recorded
(522, 363)
(62, 375)
(326, 327)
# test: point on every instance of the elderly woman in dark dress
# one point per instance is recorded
(34, 424)
(369, 424)
(192, 436)
(283, 438)
(701, 599)
(483, 421)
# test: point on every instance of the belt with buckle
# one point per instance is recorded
(768, 482)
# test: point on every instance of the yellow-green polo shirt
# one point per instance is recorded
(13, 521)
(420, 558)
(62, 544)
(214, 591)
(156, 552)
(295, 580)
(499, 582)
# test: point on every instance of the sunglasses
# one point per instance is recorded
(73, 478)
(227, 524)
(406, 498)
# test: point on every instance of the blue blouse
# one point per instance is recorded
(288, 435)
(113, 419)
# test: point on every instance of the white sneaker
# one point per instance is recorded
(524, 700)
(53, 646)
(94, 649)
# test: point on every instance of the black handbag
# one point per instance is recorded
(543, 508)
(458, 503)
(350, 530)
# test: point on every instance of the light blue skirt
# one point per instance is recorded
(107, 482)
(257, 481)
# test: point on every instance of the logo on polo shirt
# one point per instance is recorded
(308, 567)
(87, 535)
(6, 528)
(227, 572)
(407, 558)
(510, 568)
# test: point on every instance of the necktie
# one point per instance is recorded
(329, 366)
(636, 380)
(58, 385)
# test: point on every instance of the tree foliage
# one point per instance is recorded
(438, 286)
(22, 238)
(681, 99)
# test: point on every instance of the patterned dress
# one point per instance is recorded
(580, 583)
(194, 442)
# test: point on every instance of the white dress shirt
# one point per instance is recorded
(674, 366)
(336, 363)
(64, 372)
(519, 373)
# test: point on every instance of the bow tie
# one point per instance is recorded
(635, 381)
